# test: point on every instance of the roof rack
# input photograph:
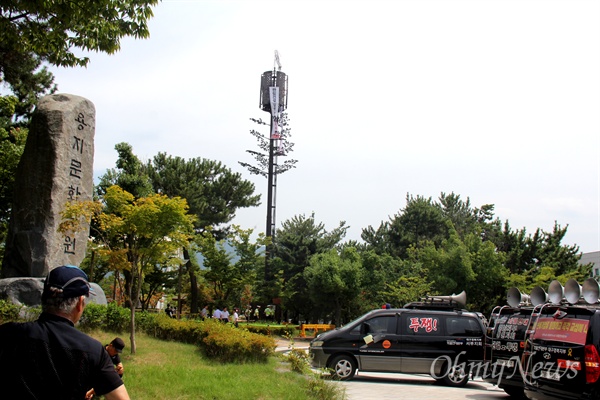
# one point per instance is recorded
(440, 305)
(454, 302)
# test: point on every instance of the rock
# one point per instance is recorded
(56, 167)
(28, 291)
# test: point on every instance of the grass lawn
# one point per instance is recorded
(172, 370)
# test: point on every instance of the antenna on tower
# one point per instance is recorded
(277, 61)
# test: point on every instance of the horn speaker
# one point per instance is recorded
(591, 291)
(460, 298)
(538, 296)
(555, 292)
(515, 298)
(572, 291)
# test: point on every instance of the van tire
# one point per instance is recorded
(457, 376)
(343, 367)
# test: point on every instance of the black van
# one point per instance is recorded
(439, 341)
(507, 333)
(562, 354)
(564, 361)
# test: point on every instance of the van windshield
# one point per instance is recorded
(354, 326)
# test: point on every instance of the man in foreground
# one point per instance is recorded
(51, 359)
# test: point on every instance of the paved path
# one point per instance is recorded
(384, 386)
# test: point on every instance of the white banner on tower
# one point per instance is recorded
(274, 99)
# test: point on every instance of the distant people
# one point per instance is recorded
(236, 317)
(217, 314)
(170, 311)
(269, 313)
(204, 312)
(257, 313)
(225, 315)
(51, 359)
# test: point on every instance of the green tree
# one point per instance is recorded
(463, 216)
(450, 265)
(33, 33)
(129, 174)
(537, 259)
(298, 239)
(12, 144)
(334, 282)
(489, 286)
(230, 264)
(53, 31)
(388, 279)
(213, 192)
(147, 231)
(419, 222)
(405, 281)
(468, 264)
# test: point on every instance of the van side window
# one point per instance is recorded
(383, 324)
(462, 326)
(422, 324)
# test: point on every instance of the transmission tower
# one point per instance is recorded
(273, 99)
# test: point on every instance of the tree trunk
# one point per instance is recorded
(92, 265)
(194, 309)
(338, 313)
(133, 296)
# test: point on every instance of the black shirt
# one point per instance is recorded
(50, 359)
(116, 359)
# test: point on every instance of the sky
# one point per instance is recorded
(496, 101)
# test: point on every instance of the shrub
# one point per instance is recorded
(145, 321)
(282, 330)
(93, 317)
(320, 389)
(226, 343)
(110, 318)
(222, 342)
(9, 311)
(117, 318)
(298, 360)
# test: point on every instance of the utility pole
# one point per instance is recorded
(273, 99)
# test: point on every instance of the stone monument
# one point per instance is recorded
(56, 168)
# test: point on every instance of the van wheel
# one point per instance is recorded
(457, 376)
(343, 367)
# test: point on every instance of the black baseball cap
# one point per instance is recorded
(118, 344)
(70, 282)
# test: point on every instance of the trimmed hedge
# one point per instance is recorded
(227, 343)
(278, 330)
(218, 341)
